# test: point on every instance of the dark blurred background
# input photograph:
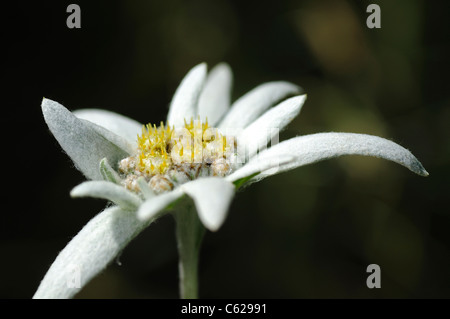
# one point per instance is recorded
(309, 233)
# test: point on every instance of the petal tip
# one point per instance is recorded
(223, 68)
(74, 193)
(297, 88)
(46, 104)
(300, 99)
(51, 109)
(417, 167)
(223, 65)
(79, 190)
(212, 197)
(291, 88)
(141, 215)
(201, 67)
(423, 172)
(144, 214)
(212, 227)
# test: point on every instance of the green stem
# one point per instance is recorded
(189, 231)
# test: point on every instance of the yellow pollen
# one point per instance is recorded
(152, 149)
(161, 147)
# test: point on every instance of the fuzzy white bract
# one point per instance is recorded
(145, 169)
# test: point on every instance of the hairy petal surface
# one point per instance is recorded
(256, 136)
(260, 164)
(214, 100)
(317, 147)
(85, 142)
(184, 104)
(212, 197)
(109, 191)
(251, 105)
(89, 252)
(154, 205)
(116, 123)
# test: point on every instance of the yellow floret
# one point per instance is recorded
(152, 149)
(161, 147)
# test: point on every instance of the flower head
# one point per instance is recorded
(144, 169)
(167, 157)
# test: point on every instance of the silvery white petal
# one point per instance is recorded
(154, 205)
(116, 123)
(86, 143)
(254, 103)
(89, 252)
(214, 100)
(212, 197)
(185, 100)
(316, 147)
(260, 164)
(111, 137)
(256, 136)
(109, 191)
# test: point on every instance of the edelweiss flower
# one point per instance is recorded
(195, 154)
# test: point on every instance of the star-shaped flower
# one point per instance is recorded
(205, 151)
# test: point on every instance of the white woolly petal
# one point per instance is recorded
(214, 100)
(85, 142)
(89, 252)
(116, 123)
(212, 197)
(154, 205)
(316, 147)
(185, 100)
(247, 108)
(109, 191)
(111, 137)
(260, 132)
(260, 164)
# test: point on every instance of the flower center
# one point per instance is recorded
(167, 157)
